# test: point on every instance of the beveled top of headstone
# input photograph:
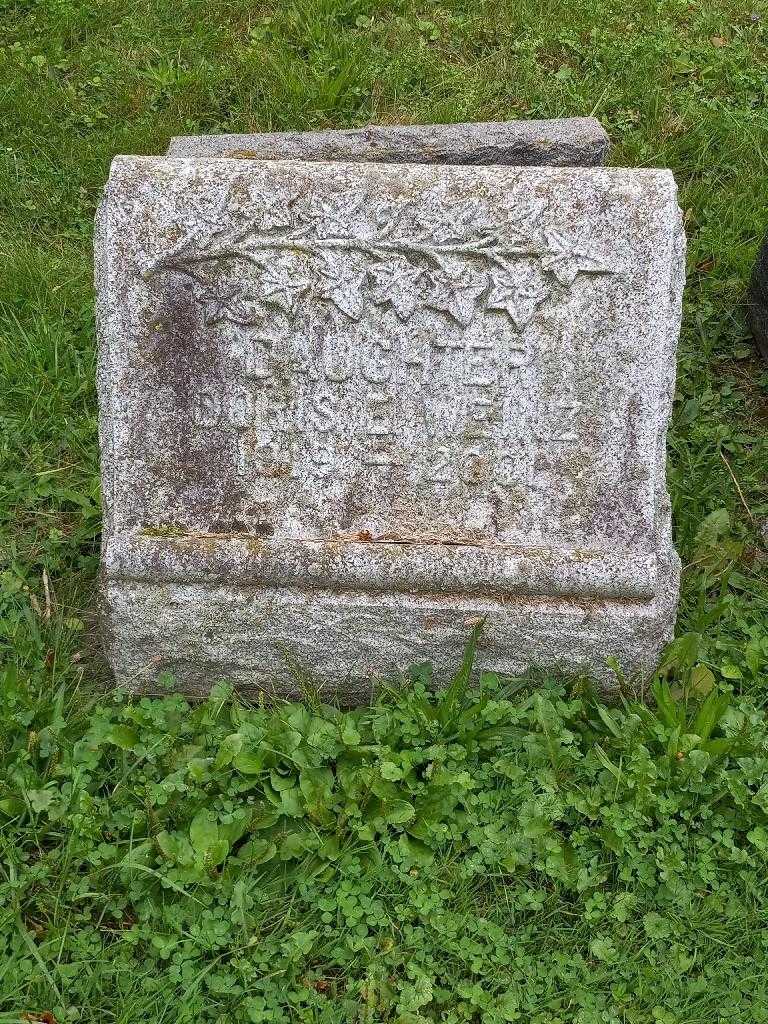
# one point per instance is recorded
(413, 378)
(572, 141)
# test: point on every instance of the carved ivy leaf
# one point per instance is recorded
(343, 285)
(389, 214)
(524, 222)
(269, 214)
(232, 227)
(283, 281)
(330, 219)
(455, 291)
(519, 295)
(396, 281)
(230, 301)
(469, 221)
(565, 261)
(229, 221)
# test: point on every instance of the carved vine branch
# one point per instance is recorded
(396, 276)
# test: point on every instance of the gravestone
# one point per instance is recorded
(349, 409)
(573, 141)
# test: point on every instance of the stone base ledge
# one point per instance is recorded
(262, 639)
(460, 569)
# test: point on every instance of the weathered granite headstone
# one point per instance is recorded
(571, 141)
(347, 409)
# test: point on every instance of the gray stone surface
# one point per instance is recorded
(346, 410)
(574, 141)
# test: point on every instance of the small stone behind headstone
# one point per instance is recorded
(575, 141)
(349, 409)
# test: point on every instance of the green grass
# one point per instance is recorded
(676, 84)
(510, 853)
